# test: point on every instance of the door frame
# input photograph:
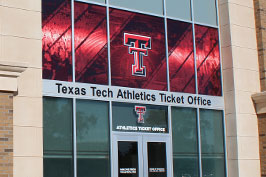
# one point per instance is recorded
(115, 152)
(142, 139)
(168, 149)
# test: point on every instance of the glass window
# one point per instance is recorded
(57, 135)
(91, 44)
(212, 143)
(185, 149)
(92, 138)
(213, 165)
(178, 9)
(152, 6)
(139, 118)
(57, 167)
(56, 40)
(99, 1)
(138, 57)
(205, 11)
(208, 61)
(211, 126)
(181, 56)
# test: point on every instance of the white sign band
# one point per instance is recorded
(131, 95)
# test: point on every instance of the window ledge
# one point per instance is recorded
(259, 100)
(9, 72)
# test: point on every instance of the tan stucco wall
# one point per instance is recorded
(241, 80)
(20, 42)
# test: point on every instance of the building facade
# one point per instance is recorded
(123, 88)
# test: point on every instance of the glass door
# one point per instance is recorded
(157, 161)
(127, 156)
(141, 156)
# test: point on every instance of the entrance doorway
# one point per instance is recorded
(141, 155)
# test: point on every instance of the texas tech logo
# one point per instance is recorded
(138, 45)
(140, 111)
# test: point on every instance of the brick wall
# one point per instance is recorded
(260, 17)
(260, 14)
(262, 133)
(6, 135)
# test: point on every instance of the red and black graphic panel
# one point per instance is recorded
(56, 40)
(181, 57)
(91, 44)
(138, 57)
(208, 60)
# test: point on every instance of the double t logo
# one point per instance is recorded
(138, 45)
(140, 111)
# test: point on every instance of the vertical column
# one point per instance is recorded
(20, 41)
(241, 80)
(259, 99)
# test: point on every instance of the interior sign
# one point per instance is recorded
(140, 111)
(140, 129)
(128, 170)
(124, 94)
(156, 170)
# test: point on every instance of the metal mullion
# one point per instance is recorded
(109, 83)
(199, 141)
(221, 70)
(111, 137)
(74, 137)
(108, 42)
(73, 41)
(171, 139)
(168, 86)
(166, 47)
(195, 50)
(196, 87)
(74, 99)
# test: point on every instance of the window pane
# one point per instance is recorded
(213, 166)
(185, 150)
(58, 167)
(99, 1)
(92, 126)
(126, 118)
(93, 166)
(184, 125)
(178, 9)
(57, 125)
(208, 61)
(153, 6)
(181, 57)
(185, 165)
(138, 57)
(91, 44)
(93, 138)
(211, 126)
(205, 11)
(56, 40)
(57, 135)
